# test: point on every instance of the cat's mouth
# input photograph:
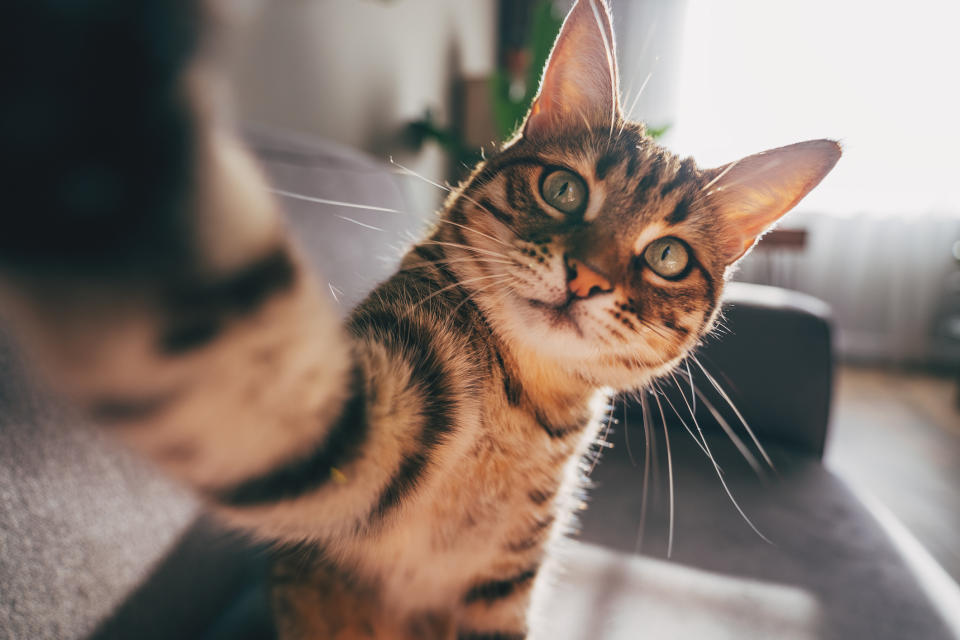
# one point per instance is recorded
(558, 314)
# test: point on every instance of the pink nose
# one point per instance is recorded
(583, 282)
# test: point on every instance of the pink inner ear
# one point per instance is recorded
(579, 87)
(753, 193)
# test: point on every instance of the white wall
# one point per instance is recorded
(356, 71)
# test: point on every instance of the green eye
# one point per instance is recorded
(668, 257)
(564, 190)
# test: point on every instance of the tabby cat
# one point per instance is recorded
(421, 457)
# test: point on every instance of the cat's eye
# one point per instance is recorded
(668, 257)
(564, 190)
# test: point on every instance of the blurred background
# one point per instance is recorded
(429, 83)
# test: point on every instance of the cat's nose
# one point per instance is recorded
(583, 282)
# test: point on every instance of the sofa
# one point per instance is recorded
(94, 543)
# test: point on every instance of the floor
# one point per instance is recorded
(897, 434)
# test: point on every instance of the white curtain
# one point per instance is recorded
(882, 77)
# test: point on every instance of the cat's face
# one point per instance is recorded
(593, 246)
(604, 245)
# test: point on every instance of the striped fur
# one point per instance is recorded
(412, 466)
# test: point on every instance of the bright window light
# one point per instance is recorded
(882, 77)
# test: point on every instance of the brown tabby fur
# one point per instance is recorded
(413, 466)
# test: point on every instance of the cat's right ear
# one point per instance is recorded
(579, 88)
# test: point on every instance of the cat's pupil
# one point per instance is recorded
(563, 189)
(666, 252)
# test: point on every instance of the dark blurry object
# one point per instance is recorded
(95, 131)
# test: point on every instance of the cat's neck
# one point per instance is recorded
(549, 388)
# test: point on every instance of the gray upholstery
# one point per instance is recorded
(82, 522)
(829, 571)
(94, 543)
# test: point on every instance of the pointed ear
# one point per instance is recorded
(579, 87)
(754, 192)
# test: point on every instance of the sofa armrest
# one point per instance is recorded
(772, 356)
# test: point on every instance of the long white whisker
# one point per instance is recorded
(413, 173)
(720, 473)
(337, 203)
(734, 438)
(646, 475)
(647, 39)
(333, 292)
(457, 284)
(472, 230)
(626, 436)
(666, 437)
(633, 104)
(743, 421)
(657, 330)
(735, 503)
(722, 173)
(463, 195)
(682, 421)
(474, 259)
(467, 248)
(362, 224)
(693, 389)
(474, 293)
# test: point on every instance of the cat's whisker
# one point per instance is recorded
(626, 436)
(654, 328)
(333, 292)
(731, 434)
(693, 389)
(716, 467)
(705, 191)
(666, 438)
(467, 247)
(490, 213)
(336, 203)
(476, 292)
(743, 421)
(646, 475)
(457, 284)
(362, 224)
(734, 438)
(411, 172)
(477, 260)
(720, 176)
(646, 40)
(682, 421)
(485, 235)
(636, 99)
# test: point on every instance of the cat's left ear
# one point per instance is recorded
(753, 193)
(579, 88)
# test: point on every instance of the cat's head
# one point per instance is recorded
(594, 248)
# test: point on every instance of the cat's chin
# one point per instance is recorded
(556, 332)
(557, 316)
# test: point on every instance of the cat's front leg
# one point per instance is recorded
(497, 609)
(314, 600)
